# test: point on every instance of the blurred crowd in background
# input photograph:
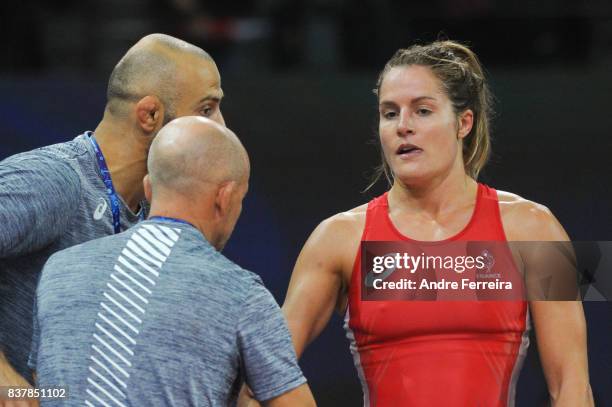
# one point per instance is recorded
(88, 36)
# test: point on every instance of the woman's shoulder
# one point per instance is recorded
(513, 205)
(349, 221)
(524, 219)
(337, 238)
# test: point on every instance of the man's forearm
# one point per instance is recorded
(9, 376)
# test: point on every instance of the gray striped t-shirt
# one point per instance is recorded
(155, 316)
(51, 198)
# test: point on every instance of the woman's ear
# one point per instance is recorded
(466, 122)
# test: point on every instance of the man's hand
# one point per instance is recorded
(246, 398)
(300, 396)
(10, 378)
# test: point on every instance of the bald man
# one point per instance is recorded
(162, 318)
(61, 195)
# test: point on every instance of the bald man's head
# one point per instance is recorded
(151, 67)
(192, 153)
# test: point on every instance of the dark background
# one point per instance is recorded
(298, 77)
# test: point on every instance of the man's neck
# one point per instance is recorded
(125, 154)
(183, 211)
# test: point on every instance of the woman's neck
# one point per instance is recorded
(436, 196)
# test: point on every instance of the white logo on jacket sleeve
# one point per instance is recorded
(100, 209)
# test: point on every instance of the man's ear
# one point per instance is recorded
(148, 191)
(223, 200)
(466, 121)
(150, 114)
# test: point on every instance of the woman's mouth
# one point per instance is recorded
(407, 151)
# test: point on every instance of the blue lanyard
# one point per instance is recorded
(108, 182)
(167, 219)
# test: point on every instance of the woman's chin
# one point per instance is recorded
(413, 178)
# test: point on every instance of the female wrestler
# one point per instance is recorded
(434, 105)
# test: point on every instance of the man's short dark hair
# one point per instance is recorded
(149, 68)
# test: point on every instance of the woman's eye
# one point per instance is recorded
(423, 112)
(389, 115)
